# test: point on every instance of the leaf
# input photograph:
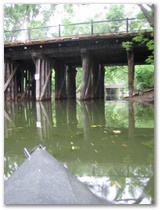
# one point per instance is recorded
(75, 148)
(124, 145)
(117, 131)
(93, 126)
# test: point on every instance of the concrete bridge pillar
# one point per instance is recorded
(71, 82)
(43, 78)
(60, 81)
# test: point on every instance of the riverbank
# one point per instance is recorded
(144, 98)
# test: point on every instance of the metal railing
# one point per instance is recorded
(77, 29)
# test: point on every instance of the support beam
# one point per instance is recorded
(130, 57)
(87, 65)
(45, 85)
(60, 81)
(10, 73)
(101, 81)
(10, 77)
(27, 88)
(43, 78)
(71, 82)
(98, 81)
(37, 78)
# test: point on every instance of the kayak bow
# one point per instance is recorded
(41, 179)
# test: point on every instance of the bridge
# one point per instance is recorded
(29, 64)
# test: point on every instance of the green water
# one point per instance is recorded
(109, 145)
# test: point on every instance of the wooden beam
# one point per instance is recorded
(130, 57)
(10, 78)
(25, 91)
(87, 65)
(37, 78)
(45, 85)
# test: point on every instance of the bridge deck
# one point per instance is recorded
(106, 49)
(64, 39)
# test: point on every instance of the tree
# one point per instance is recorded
(144, 77)
(115, 12)
(26, 16)
(140, 38)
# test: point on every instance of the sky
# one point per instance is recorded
(83, 12)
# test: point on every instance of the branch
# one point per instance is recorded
(149, 18)
(151, 6)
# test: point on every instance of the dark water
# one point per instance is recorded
(108, 145)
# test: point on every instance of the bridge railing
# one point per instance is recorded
(77, 29)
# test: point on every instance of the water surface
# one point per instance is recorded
(107, 145)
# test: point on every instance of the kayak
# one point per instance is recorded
(41, 179)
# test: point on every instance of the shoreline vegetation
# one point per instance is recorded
(143, 97)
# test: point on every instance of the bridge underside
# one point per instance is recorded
(28, 66)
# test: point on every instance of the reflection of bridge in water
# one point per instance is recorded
(111, 90)
(115, 86)
(84, 142)
(49, 123)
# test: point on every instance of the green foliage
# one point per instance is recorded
(26, 16)
(127, 45)
(144, 77)
(116, 74)
(119, 115)
(149, 43)
(116, 11)
(78, 78)
(144, 116)
(53, 80)
(140, 38)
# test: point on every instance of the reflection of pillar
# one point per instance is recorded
(131, 124)
(86, 119)
(60, 81)
(39, 120)
(130, 56)
(61, 113)
(72, 114)
(71, 82)
(98, 113)
(44, 119)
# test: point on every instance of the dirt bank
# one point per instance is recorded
(146, 97)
